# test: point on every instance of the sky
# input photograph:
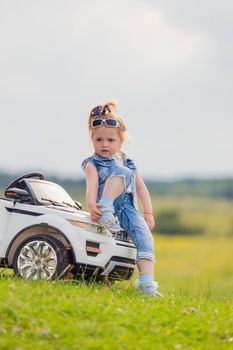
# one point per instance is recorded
(168, 64)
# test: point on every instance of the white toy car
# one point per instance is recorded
(44, 234)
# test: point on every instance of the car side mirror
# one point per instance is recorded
(17, 193)
(79, 205)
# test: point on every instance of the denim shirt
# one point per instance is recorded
(106, 166)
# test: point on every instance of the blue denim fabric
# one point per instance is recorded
(107, 167)
(132, 221)
(125, 206)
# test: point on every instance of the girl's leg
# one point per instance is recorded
(135, 225)
(145, 267)
(146, 283)
(114, 187)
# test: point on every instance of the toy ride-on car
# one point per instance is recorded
(44, 234)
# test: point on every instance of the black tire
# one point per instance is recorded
(41, 258)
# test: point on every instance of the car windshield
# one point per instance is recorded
(51, 193)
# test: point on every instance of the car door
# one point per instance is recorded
(5, 215)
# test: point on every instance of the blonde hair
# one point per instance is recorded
(109, 112)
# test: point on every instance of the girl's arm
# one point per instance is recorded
(92, 183)
(145, 200)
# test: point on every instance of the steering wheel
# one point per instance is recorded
(16, 182)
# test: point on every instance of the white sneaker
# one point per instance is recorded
(109, 221)
(149, 288)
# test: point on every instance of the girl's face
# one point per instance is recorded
(106, 141)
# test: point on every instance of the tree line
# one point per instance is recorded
(215, 188)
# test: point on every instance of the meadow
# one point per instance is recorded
(195, 273)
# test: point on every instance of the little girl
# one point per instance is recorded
(113, 185)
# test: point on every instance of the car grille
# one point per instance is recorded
(122, 259)
(93, 273)
(120, 273)
(122, 236)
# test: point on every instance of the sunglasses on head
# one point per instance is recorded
(99, 110)
(110, 123)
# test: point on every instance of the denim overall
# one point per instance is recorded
(125, 206)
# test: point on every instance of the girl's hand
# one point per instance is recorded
(149, 220)
(95, 212)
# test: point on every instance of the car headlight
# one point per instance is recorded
(90, 227)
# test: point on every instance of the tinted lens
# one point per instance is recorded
(111, 122)
(96, 123)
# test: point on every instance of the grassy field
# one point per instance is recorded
(195, 274)
(213, 216)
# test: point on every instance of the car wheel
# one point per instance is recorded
(41, 258)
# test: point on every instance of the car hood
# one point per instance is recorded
(72, 214)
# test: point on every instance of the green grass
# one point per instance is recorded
(195, 274)
(214, 217)
(69, 316)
